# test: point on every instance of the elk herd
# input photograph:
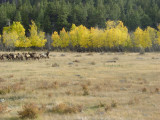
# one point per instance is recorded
(24, 56)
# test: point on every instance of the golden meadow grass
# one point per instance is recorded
(81, 86)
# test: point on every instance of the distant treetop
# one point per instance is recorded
(53, 15)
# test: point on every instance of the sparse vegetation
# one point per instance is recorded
(92, 63)
(114, 104)
(48, 85)
(107, 108)
(133, 101)
(68, 92)
(63, 108)
(81, 89)
(85, 90)
(76, 61)
(11, 88)
(3, 108)
(4, 90)
(1, 80)
(144, 90)
(101, 104)
(31, 111)
(157, 90)
(55, 65)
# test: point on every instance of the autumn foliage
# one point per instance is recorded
(14, 36)
(114, 36)
(36, 38)
(61, 40)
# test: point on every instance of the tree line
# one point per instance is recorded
(14, 36)
(53, 15)
(114, 37)
(80, 24)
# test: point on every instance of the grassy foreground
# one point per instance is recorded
(109, 86)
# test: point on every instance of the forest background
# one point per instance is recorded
(80, 25)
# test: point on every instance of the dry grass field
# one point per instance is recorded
(82, 86)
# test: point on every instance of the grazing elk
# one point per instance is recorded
(44, 55)
(36, 56)
(12, 56)
(1, 57)
(19, 56)
(23, 56)
(5, 56)
(27, 56)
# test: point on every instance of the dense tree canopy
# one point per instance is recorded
(81, 24)
(14, 36)
(114, 37)
(53, 15)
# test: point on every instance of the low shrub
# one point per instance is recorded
(114, 104)
(85, 90)
(63, 108)
(11, 88)
(5, 90)
(157, 90)
(48, 85)
(107, 108)
(144, 90)
(30, 111)
(3, 108)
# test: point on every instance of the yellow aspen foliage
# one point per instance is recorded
(64, 38)
(9, 38)
(147, 39)
(74, 36)
(0, 38)
(56, 40)
(22, 41)
(17, 30)
(80, 36)
(110, 38)
(37, 38)
(110, 24)
(84, 36)
(124, 38)
(97, 37)
(116, 34)
(152, 33)
(158, 35)
(73, 27)
(142, 38)
(138, 37)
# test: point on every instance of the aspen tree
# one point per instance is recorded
(56, 39)
(37, 38)
(14, 36)
(142, 38)
(64, 38)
